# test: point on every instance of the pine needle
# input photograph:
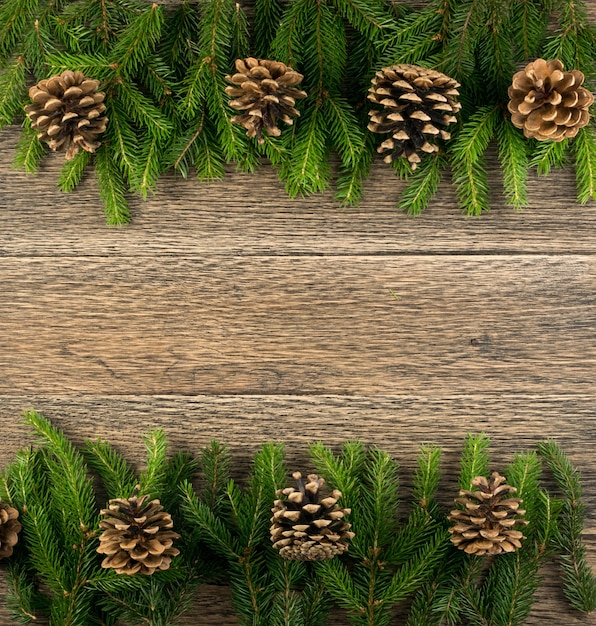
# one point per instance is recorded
(513, 155)
(111, 188)
(584, 148)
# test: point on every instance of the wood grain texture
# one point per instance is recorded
(228, 310)
(250, 214)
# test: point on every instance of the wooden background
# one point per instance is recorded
(227, 310)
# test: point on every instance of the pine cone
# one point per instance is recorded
(486, 525)
(306, 527)
(548, 103)
(265, 90)
(136, 536)
(9, 529)
(67, 110)
(418, 104)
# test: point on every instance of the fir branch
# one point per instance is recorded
(150, 157)
(529, 22)
(579, 582)
(427, 475)
(73, 490)
(213, 530)
(138, 40)
(422, 184)
(412, 38)
(474, 459)
(30, 151)
(152, 477)
(115, 472)
(336, 578)
(111, 188)
(513, 156)
(23, 601)
(14, 17)
(121, 136)
(268, 15)
(350, 181)
(344, 130)
(369, 17)
(12, 91)
(72, 171)
(466, 153)
(549, 154)
(240, 45)
(341, 471)
(307, 170)
(410, 576)
(267, 476)
(215, 463)
(468, 20)
(584, 149)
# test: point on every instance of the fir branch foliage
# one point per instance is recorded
(12, 90)
(72, 171)
(307, 170)
(549, 154)
(23, 602)
(427, 476)
(584, 149)
(111, 187)
(213, 531)
(14, 17)
(513, 156)
(579, 582)
(422, 185)
(116, 473)
(72, 489)
(152, 478)
(369, 17)
(474, 459)
(138, 40)
(412, 38)
(215, 463)
(344, 130)
(30, 151)
(337, 580)
(467, 160)
(268, 15)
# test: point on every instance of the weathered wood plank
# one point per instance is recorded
(247, 214)
(297, 324)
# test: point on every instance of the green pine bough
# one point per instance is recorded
(163, 70)
(400, 554)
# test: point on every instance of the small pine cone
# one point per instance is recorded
(9, 529)
(266, 91)
(486, 524)
(418, 104)
(306, 527)
(137, 536)
(548, 103)
(67, 111)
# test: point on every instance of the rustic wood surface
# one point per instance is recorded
(227, 310)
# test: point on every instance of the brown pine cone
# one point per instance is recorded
(307, 527)
(486, 523)
(137, 536)
(67, 111)
(9, 529)
(418, 104)
(266, 91)
(547, 102)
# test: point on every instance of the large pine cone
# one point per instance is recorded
(548, 103)
(418, 104)
(486, 524)
(137, 536)
(266, 91)
(306, 527)
(9, 529)
(67, 111)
